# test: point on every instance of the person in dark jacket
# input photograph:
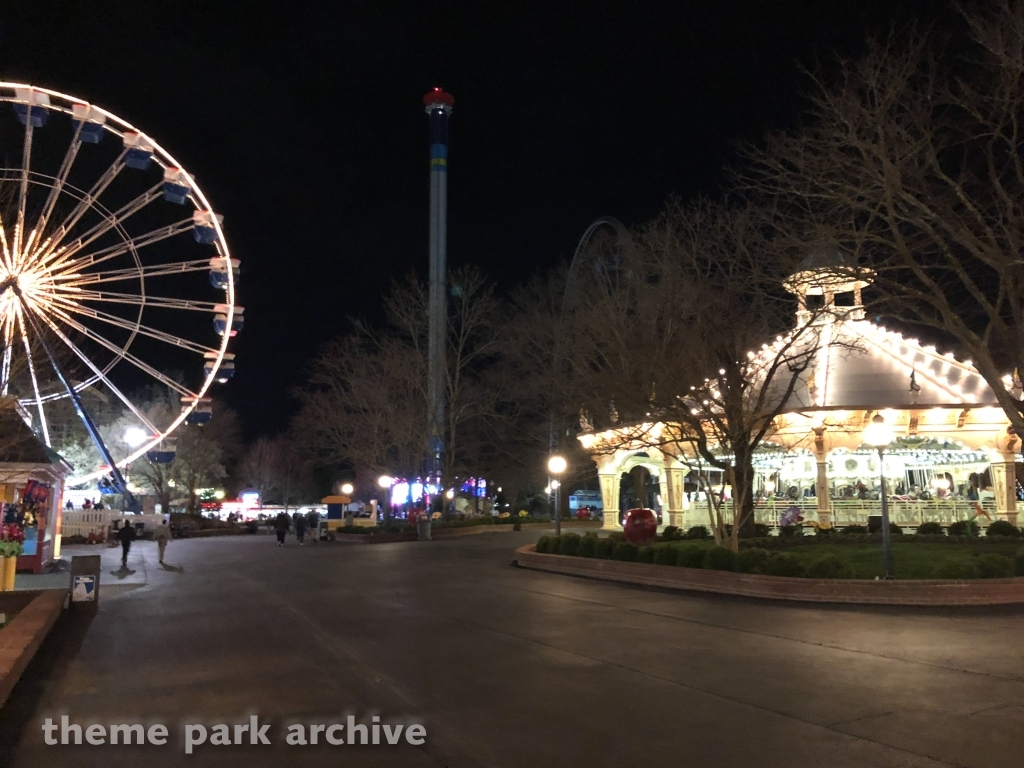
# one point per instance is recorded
(300, 527)
(313, 519)
(126, 536)
(281, 525)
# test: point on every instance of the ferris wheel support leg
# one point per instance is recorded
(5, 369)
(119, 483)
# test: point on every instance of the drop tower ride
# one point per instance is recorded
(438, 107)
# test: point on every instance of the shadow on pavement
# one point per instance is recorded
(174, 568)
(51, 662)
(123, 572)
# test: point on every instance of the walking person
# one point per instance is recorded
(300, 527)
(126, 536)
(313, 518)
(162, 535)
(281, 524)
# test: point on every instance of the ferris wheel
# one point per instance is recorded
(114, 272)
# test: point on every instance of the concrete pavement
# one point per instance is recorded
(507, 667)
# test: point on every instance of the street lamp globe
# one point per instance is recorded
(450, 494)
(134, 437)
(557, 465)
(878, 433)
(385, 481)
(346, 488)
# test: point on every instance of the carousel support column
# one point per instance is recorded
(609, 474)
(1004, 481)
(674, 482)
(821, 481)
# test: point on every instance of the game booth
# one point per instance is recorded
(31, 489)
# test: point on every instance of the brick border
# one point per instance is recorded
(20, 639)
(935, 592)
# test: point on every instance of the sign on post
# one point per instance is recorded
(85, 579)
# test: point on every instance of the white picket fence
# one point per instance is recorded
(856, 511)
(85, 521)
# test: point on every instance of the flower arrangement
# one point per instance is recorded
(11, 539)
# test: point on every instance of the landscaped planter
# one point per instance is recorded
(20, 639)
(896, 592)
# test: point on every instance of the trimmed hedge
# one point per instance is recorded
(605, 547)
(931, 529)
(751, 560)
(692, 556)
(995, 566)
(784, 564)
(570, 544)
(830, 567)
(667, 555)
(625, 551)
(1002, 528)
(948, 558)
(588, 545)
(721, 559)
(964, 528)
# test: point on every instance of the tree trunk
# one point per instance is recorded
(743, 491)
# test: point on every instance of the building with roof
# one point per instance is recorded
(31, 489)
(954, 456)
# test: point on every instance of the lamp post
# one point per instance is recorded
(879, 435)
(385, 482)
(556, 466)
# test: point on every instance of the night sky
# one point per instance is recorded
(303, 123)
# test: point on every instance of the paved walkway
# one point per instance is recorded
(114, 579)
(508, 667)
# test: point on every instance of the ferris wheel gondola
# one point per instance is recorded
(101, 272)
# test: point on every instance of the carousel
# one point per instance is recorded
(953, 455)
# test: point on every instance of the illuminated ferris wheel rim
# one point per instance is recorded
(65, 103)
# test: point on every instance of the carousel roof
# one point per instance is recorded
(861, 365)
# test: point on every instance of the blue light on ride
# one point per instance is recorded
(176, 186)
(219, 269)
(161, 456)
(202, 412)
(226, 370)
(139, 150)
(31, 107)
(89, 122)
(203, 227)
(220, 320)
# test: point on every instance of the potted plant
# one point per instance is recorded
(11, 539)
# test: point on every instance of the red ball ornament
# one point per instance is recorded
(582, 514)
(641, 526)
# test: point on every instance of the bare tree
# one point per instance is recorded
(694, 329)
(472, 346)
(366, 403)
(259, 469)
(913, 160)
(292, 475)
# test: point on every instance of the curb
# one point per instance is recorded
(20, 639)
(927, 592)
